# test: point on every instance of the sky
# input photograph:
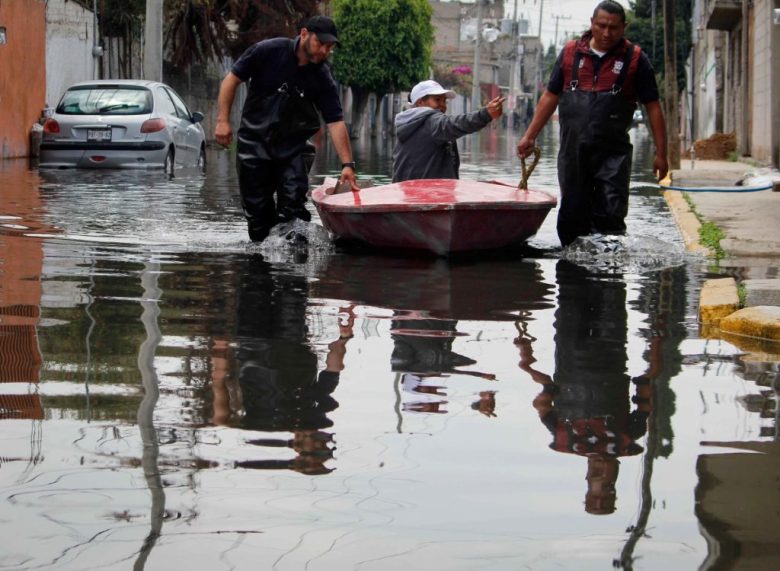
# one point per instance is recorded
(571, 15)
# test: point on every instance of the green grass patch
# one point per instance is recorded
(710, 236)
(710, 233)
(742, 294)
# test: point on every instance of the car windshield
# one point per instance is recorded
(106, 100)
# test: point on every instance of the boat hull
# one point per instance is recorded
(439, 216)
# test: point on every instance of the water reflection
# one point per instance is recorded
(280, 387)
(172, 398)
(21, 268)
(428, 297)
(586, 404)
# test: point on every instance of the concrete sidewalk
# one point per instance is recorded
(751, 224)
(750, 220)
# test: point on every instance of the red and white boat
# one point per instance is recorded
(442, 216)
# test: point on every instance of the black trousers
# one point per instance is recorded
(273, 191)
(594, 163)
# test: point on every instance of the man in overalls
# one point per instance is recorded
(595, 85)
(290, 86)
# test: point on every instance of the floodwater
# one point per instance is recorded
(175, 397)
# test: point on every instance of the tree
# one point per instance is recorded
(385, 47)
(210, 29)
(651, 38)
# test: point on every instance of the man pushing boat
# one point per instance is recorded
(595, 85)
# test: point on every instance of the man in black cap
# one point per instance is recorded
(290, 87)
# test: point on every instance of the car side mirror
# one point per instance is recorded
(197, 117)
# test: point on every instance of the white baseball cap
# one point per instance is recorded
(428, 87)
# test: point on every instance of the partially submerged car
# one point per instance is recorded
(115, 123)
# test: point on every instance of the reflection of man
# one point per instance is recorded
(423, 351)
(595, 85)
(586, 405)
(279, 388)
(424, 393)
(424, 345)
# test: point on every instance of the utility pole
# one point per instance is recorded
(670, 85)
(652, 24)
(513, 73)
(541, 9)
(97, 50)
(476, 95)
(153, 39)
(557, 19)
(744, 147)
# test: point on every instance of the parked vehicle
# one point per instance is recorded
(122, 124)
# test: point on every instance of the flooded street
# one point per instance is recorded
(173, 396)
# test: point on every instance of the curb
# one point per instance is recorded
(686, 221)
(751, 329)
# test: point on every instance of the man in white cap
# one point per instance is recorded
(426, 135)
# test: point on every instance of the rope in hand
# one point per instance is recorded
(527, 171)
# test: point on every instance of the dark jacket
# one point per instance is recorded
(426, 142)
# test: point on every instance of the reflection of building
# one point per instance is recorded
(21, 262)
(736, 504)
(736, 493)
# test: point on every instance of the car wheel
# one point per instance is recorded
(169, 161)
(202, 160)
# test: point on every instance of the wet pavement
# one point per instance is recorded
(173, 396)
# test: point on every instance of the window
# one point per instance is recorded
(106, 100)
(166, 105)
(181, 108)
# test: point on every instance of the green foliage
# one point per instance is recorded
(742, 293)
(641, 31)
(385, 45)
(122, 18)
(549, 61)
(710, 236)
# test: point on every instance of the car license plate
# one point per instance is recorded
(98, 135)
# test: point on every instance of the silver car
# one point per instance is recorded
(114, 123)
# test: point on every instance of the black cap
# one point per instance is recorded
(324, 28)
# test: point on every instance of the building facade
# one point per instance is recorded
(510, 59)
(734, 75)
(22, 73)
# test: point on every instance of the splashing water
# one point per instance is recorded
(297, 235)
(621, 254)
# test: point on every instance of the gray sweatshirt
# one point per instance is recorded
(425, 146)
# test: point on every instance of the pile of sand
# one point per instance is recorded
(717, 147)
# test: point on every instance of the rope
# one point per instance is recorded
(527, 171)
